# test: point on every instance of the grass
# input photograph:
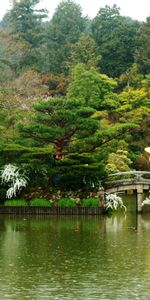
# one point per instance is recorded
(90, 202)
(64, 202)
(16, 202)
(34, 202)
(41, 202)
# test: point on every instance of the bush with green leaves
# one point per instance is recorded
(16, 202)
(41, 202)
(64, 202)
(94, 202)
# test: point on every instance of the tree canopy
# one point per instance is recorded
(73, 90)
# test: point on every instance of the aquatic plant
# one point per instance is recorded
(13, 177)
(113, 202)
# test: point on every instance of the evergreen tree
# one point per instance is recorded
(60, 122)
(24, 34)
(84, 51)
(92, 88)
(64, 126)
(142, 56)
(63, 31)
(116, 38)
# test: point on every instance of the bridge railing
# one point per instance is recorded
(138, 175)
(129, 177)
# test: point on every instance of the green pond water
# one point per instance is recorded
(75, 258)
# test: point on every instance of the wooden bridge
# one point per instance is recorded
(133, 180)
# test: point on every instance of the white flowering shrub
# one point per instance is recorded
(146, 202)
(113, 202)
(12, 176)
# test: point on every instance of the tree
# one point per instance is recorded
(142, 56)
(24, 33)
(60, 122)
(115, 36)
(63, 31)
(146, 82)
(135, 107)
(69, 129)
(92, 88)
(119, 161)
(84, 51)
(57, 84)
(131, 77)
(64, 125)
(6, 74)
(29, 87)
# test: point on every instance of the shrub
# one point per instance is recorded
(15, 202)
(113, 202)
(146, 201)
(63, 202)
(146, 205)
(11, 175)
(95, 202)
(41, 202)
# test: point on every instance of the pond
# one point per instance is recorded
(75, 258)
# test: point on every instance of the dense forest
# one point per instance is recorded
(74, 95)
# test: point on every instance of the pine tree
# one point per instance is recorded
(24, 34)
(60, 122)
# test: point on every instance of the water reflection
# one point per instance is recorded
(75, 258)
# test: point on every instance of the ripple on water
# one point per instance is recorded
(48, 259)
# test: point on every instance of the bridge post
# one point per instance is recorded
(139, 199)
